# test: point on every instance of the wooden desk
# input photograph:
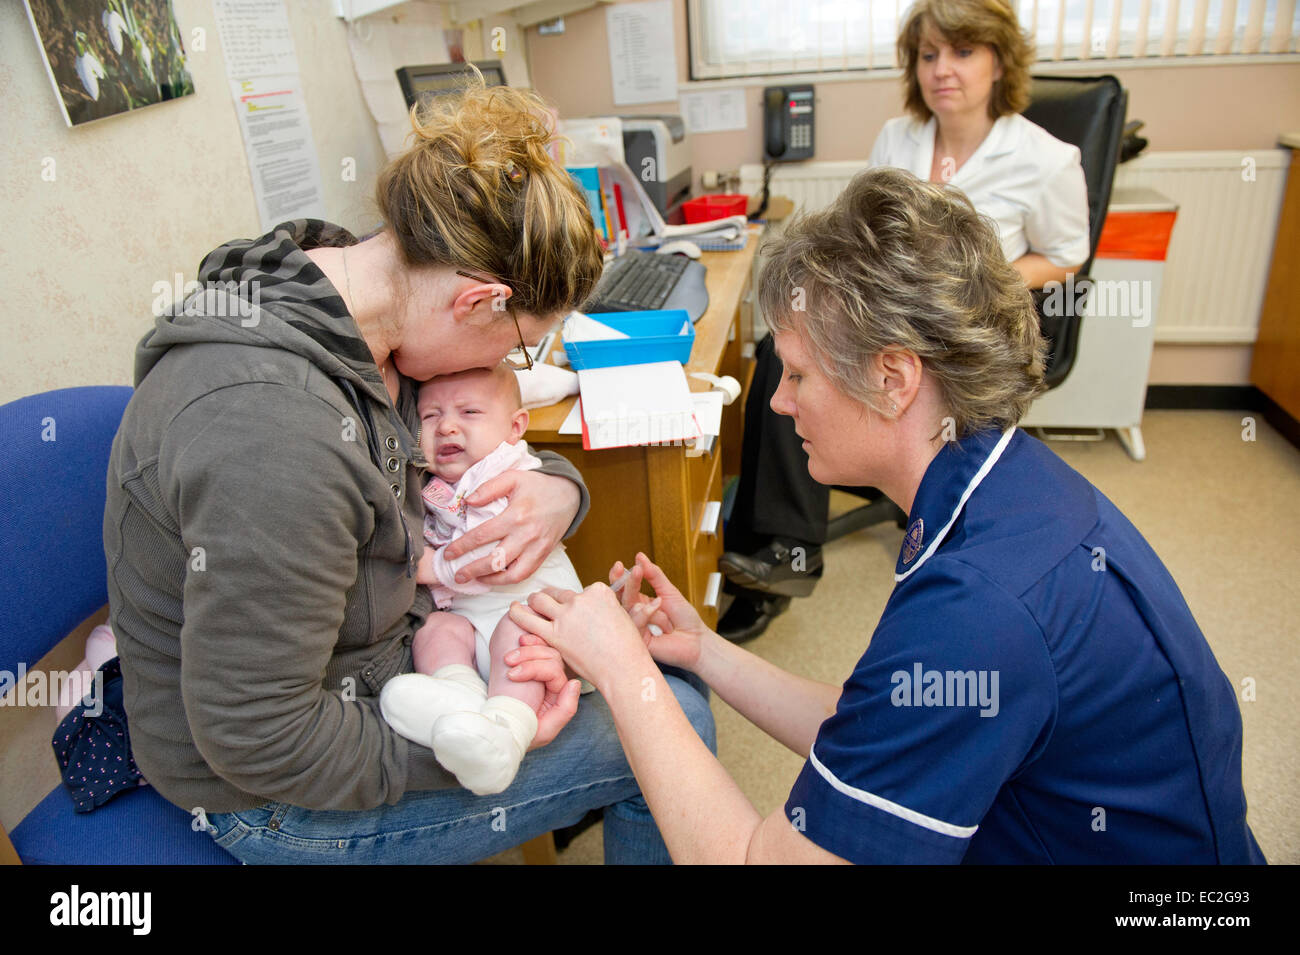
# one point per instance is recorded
(652, 499)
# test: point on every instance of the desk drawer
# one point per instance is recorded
(707, 579)
(706, 533)
(704, 485)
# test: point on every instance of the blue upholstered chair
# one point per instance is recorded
(54, 450)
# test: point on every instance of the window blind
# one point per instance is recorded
(737, 38)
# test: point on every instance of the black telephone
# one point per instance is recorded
(788, 123)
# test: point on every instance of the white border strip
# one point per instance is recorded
(991, 460)
(893, 808)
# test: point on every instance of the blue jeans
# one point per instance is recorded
(582, 769)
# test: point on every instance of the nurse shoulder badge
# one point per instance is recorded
(912, 542)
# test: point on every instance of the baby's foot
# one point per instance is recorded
(483, 750)
(413, 702)
(101, 646)
(74, 689)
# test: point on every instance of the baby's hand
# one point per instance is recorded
(499, 560)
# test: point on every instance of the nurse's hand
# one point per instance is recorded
(681, 627)
(541, 508)
(643, 610)
(591, 629)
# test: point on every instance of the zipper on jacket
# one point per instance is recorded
(376, 456)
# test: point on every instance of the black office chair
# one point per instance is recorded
(1088, 112)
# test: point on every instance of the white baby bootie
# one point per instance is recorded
(413, 702)
(483, 750)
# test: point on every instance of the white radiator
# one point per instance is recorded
(1222, 245)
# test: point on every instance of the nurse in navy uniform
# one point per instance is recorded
(1036, 689)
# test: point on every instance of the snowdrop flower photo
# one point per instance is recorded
(114, 26)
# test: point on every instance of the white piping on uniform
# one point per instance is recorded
(893, 808)
(970, 489)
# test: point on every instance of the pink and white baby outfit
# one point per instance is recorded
(448, 516)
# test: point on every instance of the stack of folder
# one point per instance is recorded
(620, 204)
(639, 400)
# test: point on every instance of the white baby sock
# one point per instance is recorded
(413, 702)
(484, 749)
(465, 675)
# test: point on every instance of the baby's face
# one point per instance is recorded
(463, 419)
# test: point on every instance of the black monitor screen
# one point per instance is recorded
(438, 79)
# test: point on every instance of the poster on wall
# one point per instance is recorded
(106, 57)
(262, 70)
(642, 54)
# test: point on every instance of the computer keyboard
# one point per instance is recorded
(637, 281)
(643, 281)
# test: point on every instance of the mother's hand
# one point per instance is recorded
(534, 660)
(541, 508)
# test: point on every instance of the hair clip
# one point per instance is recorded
(514, 172)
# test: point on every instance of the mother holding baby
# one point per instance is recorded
(264, 515)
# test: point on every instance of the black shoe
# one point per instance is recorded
(785, 568)
(749, 615)
(566, 835)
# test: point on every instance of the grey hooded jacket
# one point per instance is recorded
(261, 531)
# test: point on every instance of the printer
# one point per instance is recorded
(656, 151)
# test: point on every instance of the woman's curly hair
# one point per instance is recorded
(479, 190)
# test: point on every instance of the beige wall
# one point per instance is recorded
(1188, 107)
(1176, 363)
(139, 197)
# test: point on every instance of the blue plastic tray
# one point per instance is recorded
(665, 335)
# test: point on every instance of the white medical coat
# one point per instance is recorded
(1022, 177)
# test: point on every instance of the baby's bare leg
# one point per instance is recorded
(444, 639)
(484, 749)
(504, 639)
(445, 681)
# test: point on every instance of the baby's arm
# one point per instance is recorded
(438, 573)
(436, 570)
(425, 569)
(441, 575)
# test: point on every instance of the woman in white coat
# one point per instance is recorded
(967, 69)
(966, 78)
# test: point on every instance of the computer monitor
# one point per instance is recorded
(439, 79)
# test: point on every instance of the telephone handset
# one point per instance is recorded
(788, 123)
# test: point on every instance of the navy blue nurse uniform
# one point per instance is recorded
(1036, 690)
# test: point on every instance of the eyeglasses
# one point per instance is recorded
(525, 362)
